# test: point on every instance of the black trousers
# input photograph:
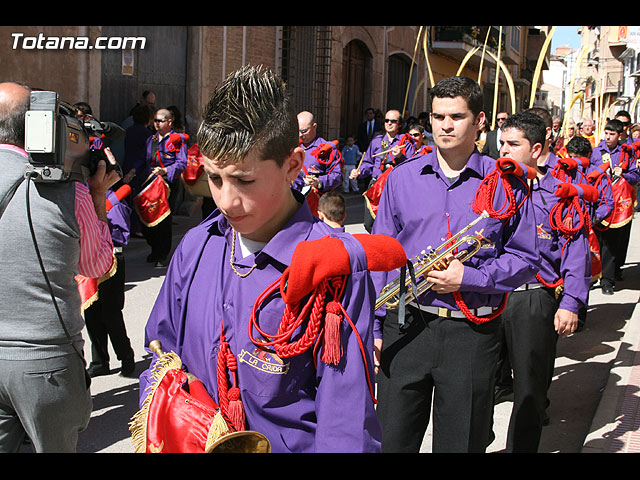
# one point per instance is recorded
(160, 236)
(529, 342)
(104, 319)
(450, 361)
(614, 243)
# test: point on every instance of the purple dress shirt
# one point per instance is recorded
(561, 258)
(119, 219)
(420, 205)
(330, 174)
(602, 152)
(604, 206)
(174, 162)
(298, 407)
(371, 165)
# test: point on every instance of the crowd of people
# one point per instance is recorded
(275, 308)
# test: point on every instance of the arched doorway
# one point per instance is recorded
(356, 61)
(399, 70)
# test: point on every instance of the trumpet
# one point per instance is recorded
(426, 261)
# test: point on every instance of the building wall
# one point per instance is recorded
(215, 51)
(73, 73)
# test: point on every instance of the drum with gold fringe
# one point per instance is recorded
(152, 203)
(179, 416)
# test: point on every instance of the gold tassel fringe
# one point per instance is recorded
(138, 424)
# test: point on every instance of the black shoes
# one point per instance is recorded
(128, 368)
(502, 394)
(97, 370)
(607, 289)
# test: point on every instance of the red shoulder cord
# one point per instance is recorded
(486, 193)
(565, 165)
(561, 219)
(595, 178)
(316, 332)
(404, 139)
(229, 398)
(625, 155)
(325, 155)
(484, 201)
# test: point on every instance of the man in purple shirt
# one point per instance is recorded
(437, 352)
(322, 168)
(221, 267)
(615, 239)
(536, 314)
(384, 151)
(167, 157)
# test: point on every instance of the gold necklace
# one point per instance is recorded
(233, 251)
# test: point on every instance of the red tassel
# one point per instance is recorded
(332, 350)
(236, 410)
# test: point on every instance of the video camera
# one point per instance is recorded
(58, 143)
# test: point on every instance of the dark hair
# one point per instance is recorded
(623, 113)
(333, 206)
(543, 114)
(250, 110)
(416, 126)
(579, 146)
(178, 124)
(464, 87)
(84, 107)
(530, 124)
(142, 114)
(614, 125)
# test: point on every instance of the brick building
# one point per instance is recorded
(334, 71)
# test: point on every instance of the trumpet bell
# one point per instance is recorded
(244, 441)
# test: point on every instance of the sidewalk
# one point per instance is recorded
(616, 423)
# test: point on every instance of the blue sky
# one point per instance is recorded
(565, 35)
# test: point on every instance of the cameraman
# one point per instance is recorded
(43, 389)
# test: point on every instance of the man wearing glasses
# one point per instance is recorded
(166, 157)
(625, 119)
(384, 151)
(322, 169)
(492, 145)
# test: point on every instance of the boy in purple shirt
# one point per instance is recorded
(221, 267)
(614, 241)
(536, 314)
(439, 352)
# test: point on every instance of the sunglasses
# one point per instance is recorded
(160, 120)
(391, 120)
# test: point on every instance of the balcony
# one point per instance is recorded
(458, 41)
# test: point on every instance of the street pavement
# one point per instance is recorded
(594, 394)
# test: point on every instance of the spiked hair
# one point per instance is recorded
(250, 110)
